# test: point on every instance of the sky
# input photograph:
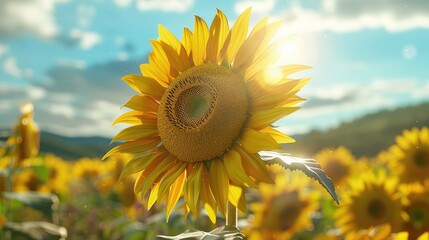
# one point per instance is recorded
(67, 56)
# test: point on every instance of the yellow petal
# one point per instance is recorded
(166, 36)
(236, 36)
(219, 183)
(142, 103)
(154, 171)
(254, 166)
(235, 170)
(199, 41)
(136, 132)
(262, 23)
(187, 39)
(138, 164)
(264, 118)
(207, 196)
(178, 62)
(153, 196)
(218, 33)
(175, 193)
(193, 187)
(153, 70)
(134, 147)
(237, 198)
(277, 135)
(171, 176)
(136, 117)
(254, 141)
(145, 85)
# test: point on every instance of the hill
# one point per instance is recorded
(365, 136)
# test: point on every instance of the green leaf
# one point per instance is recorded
(36, 230)
(46, 203)
(225, 232)
(306, 165)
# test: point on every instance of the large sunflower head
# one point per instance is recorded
(337, 163)
(204, 108)
(409, 157)
(370, 201)
(285, 209)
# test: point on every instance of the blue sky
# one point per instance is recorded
(67, 56)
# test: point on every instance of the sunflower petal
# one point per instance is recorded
(142, 103)
(170, 177)
(219, 183)
(187, 39)
(154, 171)
(237, 198)
(254, 141)
(193, 186)
(236, 36)
(136, 132)
(277, 135)
(254, 166)
(138, 164)
(199, 41)
(235, 170)
(207, 196)
(145, 85)
(153, 196)
(136, 117)
(264, 118)
(175, 193)
(166, 36)
(134, 147)
(217, 36)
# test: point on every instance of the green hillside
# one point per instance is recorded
(364, 136)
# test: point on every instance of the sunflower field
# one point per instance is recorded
(201, 158)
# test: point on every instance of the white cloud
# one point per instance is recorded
(36, 93)
(165, 5)
(262, 7)
(123, 3)
(351, 15)
(86, 39)
(25, 16)
(10, 66)
(85, 15)
(60, 109)
(122, 56)
(3, 49)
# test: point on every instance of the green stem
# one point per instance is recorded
(231, 215)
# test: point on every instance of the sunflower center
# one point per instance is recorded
(421, 158)
(419, 217)
(202, 113)
(376, 209)
(284, 212)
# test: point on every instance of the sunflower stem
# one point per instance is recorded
(231, 215)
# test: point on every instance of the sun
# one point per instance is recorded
(371, 200)
(204, 108)
(409, 157)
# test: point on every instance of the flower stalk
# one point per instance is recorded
(231, 215)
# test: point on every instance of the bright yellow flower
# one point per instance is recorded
(58, 178)
(416, 209)
(405, 236)
(204, 109)
(26, 136)
(28, 180)
(285, 209)
(409, 158)
(337, 163)
(370, 201)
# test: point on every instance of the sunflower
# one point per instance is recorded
(370, 201)
(204, 110)
(58, 179)
(416, 210)
(337, 163)
(409, 157)
(26, 136)
(285, 209)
